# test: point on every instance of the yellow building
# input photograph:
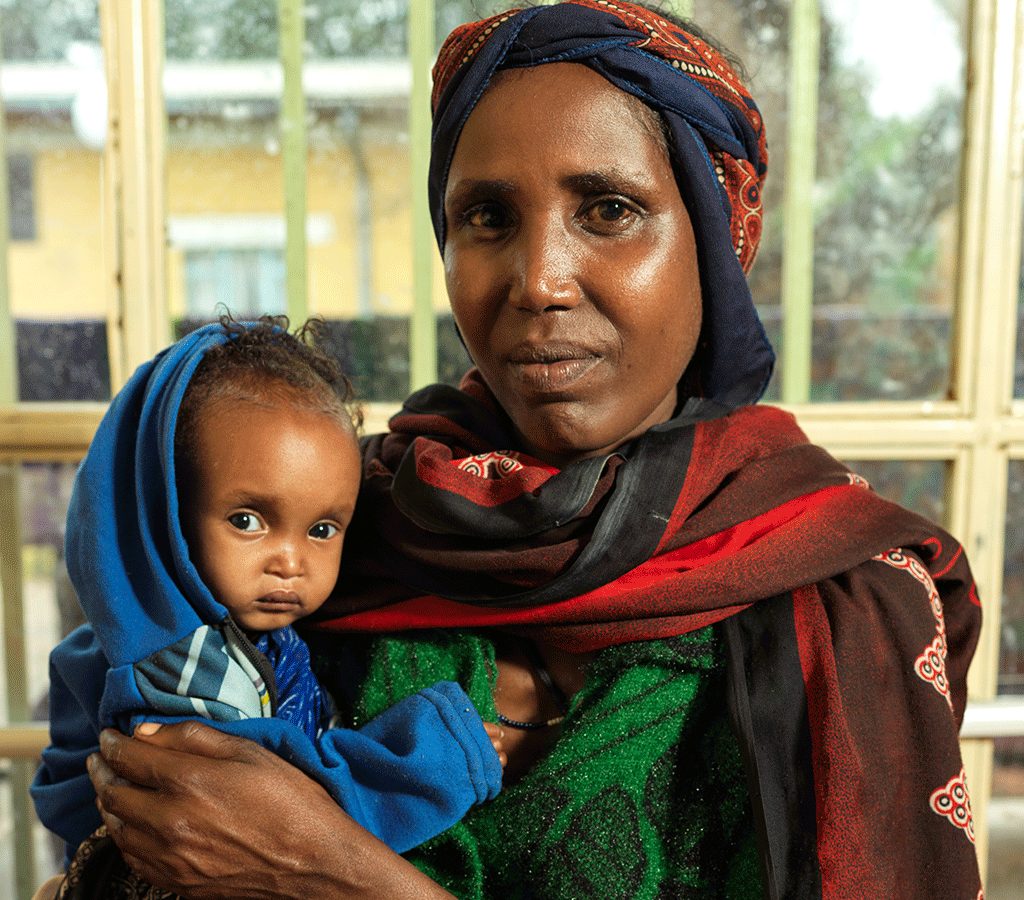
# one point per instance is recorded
(225, 225)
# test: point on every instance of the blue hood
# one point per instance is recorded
(126, 553)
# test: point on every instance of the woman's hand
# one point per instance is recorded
(206, 814)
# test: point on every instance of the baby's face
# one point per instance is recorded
(265, 522)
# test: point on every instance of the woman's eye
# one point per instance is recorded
(323, 531)
(609, 212)
(245, 522)
(486, 215)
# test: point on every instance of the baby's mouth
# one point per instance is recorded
(279, 600)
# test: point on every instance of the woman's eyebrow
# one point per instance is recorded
(469, 190)
(602, 182)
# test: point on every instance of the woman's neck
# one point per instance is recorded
(521, 695)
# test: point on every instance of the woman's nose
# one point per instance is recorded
(545, 273)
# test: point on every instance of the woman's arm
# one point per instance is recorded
(206, 814)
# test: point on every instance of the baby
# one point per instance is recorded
(207, 517)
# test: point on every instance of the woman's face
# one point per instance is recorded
(570, 260)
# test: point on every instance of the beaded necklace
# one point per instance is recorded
(536, 662)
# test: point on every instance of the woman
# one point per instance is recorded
(684, 614)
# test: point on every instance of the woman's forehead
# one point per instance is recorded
(567, 107)
(577, 82)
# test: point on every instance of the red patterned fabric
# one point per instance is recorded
(760, 511)
(953, 802)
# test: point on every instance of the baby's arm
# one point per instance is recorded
(407, 775)
(63, 795)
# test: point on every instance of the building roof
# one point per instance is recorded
(54, 86)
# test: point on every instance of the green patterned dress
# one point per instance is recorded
(642, 796)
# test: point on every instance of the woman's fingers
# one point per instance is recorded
(130, 760)
(117, 798)
(155, 760)
(193, 738)
(101, 775)
(205, 814)
(113, 795)
(175, 803)
(112, 791)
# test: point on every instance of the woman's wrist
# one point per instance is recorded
(348, 861)
(373, 870)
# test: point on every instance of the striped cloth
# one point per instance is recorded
(210, 674)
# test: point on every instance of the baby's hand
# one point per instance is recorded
(496, 733)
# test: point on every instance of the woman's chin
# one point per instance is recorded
(559, 440)
(564, 432)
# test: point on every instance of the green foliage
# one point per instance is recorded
(40, 31)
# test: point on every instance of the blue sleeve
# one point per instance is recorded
(408, 775)
(63, 795)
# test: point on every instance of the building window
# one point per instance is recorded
(248, 281)
(21, 197)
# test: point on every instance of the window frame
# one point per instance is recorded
(977, 432)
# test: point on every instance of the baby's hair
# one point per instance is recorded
(264, 362)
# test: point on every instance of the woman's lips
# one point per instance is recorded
(549, 368)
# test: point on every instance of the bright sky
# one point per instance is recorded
(909, 48)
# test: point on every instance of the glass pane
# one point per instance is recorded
(352, 28)
(34, 498)
(1006, 822)
(33, 507)
(885, 236)
(1006, 808)
(7, 836)
(360, 273)
(47, 849)
(888, 182)
(450, 13)
(225, 180)
(919, 485)
(1011, 656)
(54, 98)
(224, 190)
(51, 608)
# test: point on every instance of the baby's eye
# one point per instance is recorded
(244, 521)
(323, 531)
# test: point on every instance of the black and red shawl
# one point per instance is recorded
(849, 622)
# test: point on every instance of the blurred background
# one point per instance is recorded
(165, 159)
